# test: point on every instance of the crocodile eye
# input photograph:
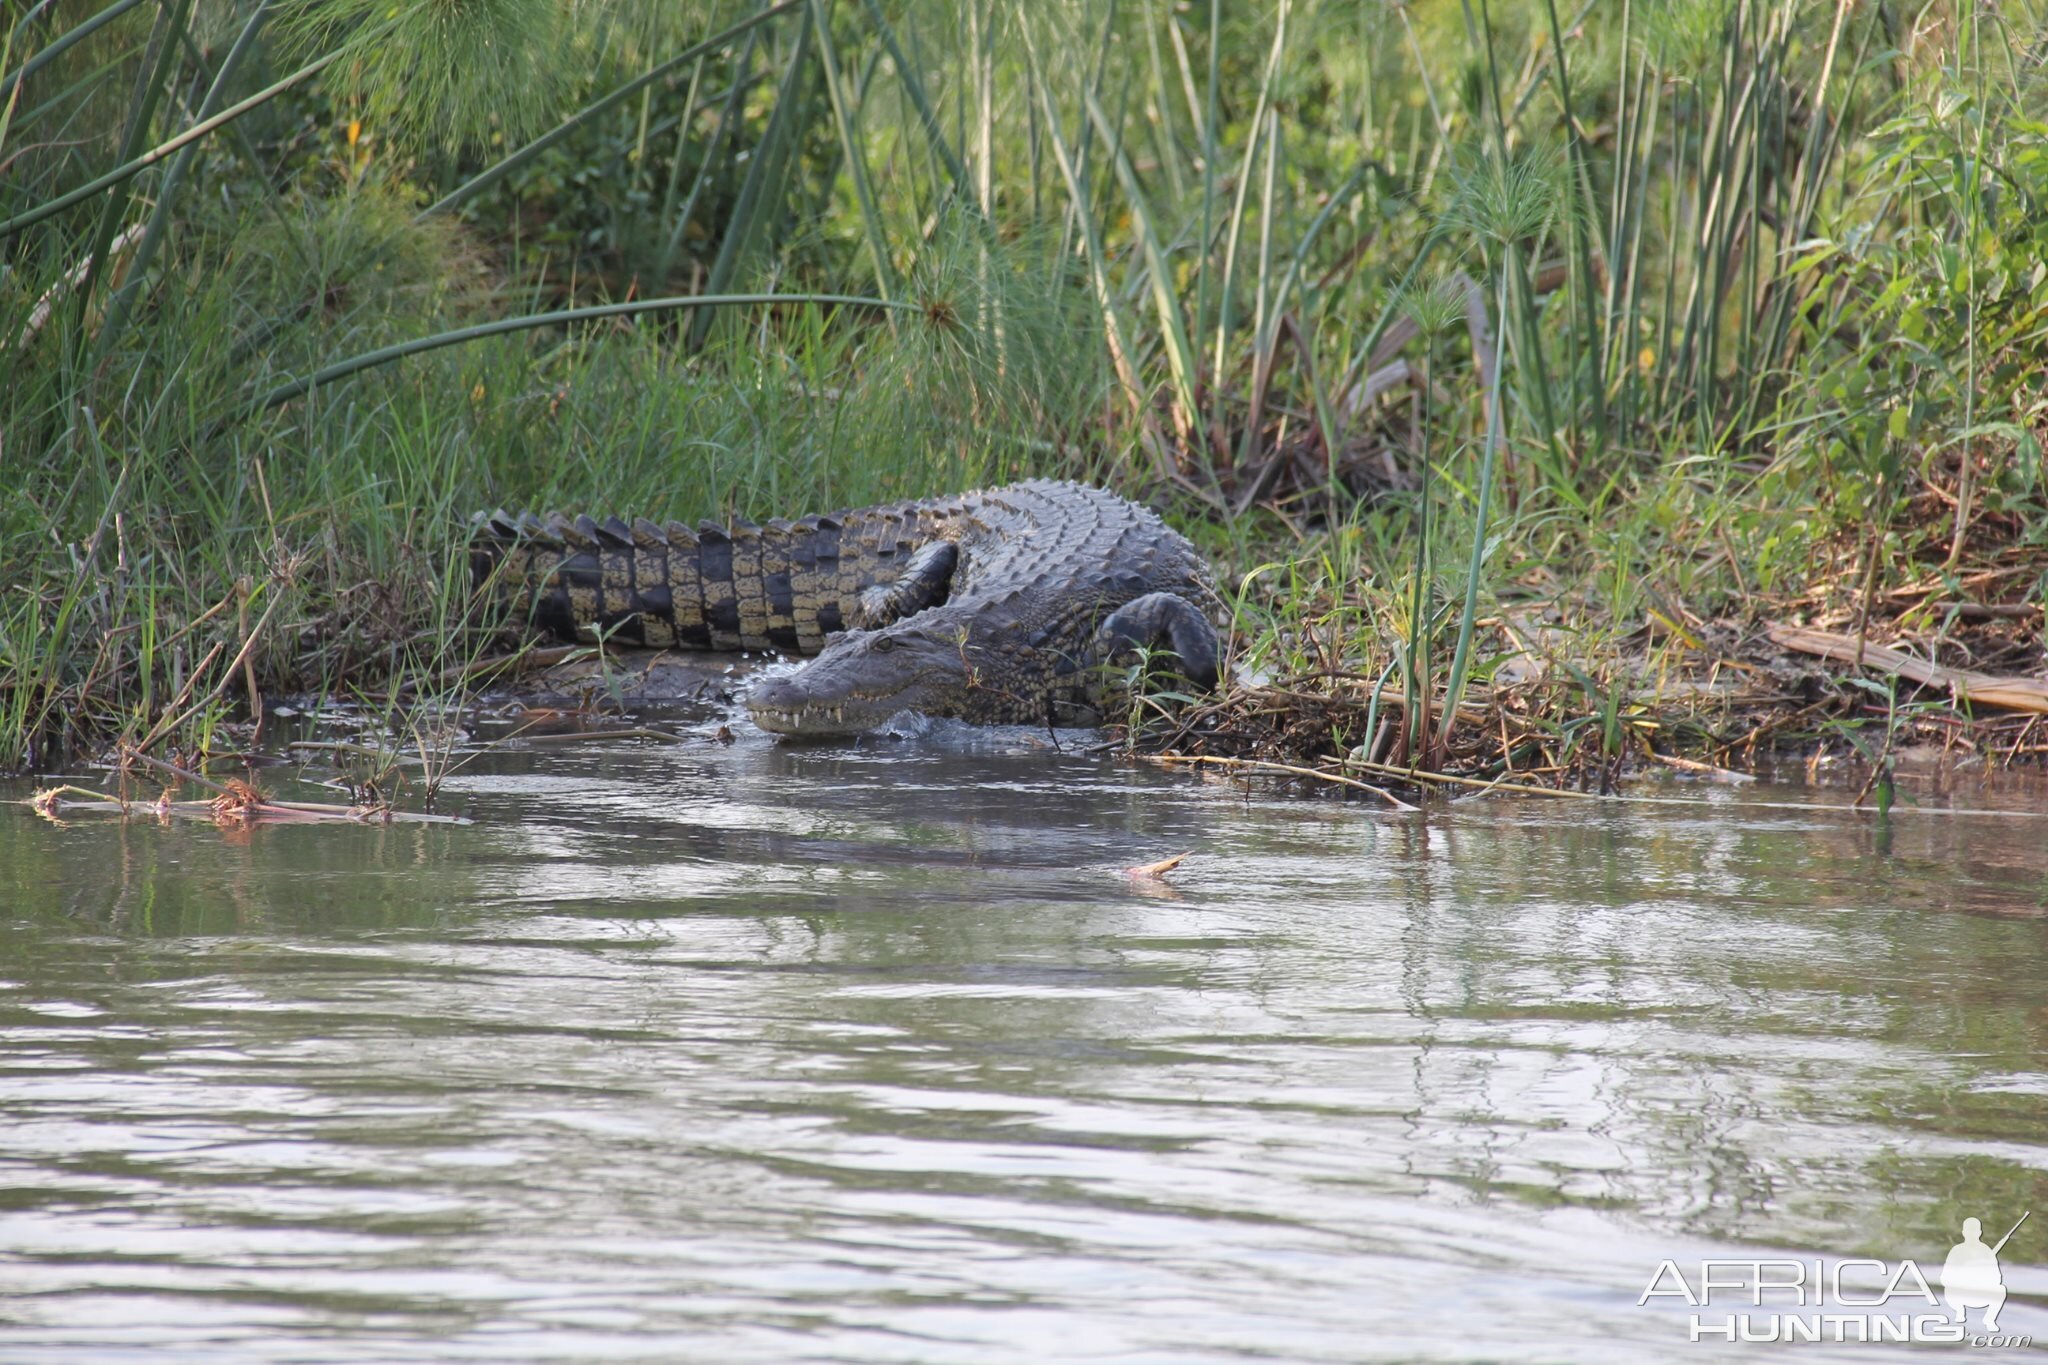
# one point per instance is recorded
(884, 644)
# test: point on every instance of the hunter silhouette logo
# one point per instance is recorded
(1848, 1299)
(1970, 1277)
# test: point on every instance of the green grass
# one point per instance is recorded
(1763, 318)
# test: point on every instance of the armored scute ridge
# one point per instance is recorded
(995, 607)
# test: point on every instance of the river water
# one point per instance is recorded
(871, 1053)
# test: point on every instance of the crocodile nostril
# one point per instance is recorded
(775, 694)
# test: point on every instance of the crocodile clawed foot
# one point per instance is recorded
(1162, 621)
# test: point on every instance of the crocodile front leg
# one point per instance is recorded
(1161, 621)
(925, 582)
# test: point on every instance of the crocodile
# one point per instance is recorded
(1018, 605)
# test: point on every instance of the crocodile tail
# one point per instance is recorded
(783, 586)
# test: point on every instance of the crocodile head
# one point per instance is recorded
(863, 677)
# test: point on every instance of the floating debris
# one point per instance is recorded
(1153, 872)
(235, 803)
(241, 807)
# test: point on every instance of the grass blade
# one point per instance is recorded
(1180, 356)
(511, 162)
(560, 318)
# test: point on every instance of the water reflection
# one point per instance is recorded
(777, 1053)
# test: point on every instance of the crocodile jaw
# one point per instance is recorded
(808, 719)
(853, 687)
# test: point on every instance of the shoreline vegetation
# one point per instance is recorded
(1559, 390)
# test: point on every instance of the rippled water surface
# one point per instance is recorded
(767, 1053)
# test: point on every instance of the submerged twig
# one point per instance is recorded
(1262, 765)
(234, 802)
(230, 808)
(637, 732)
